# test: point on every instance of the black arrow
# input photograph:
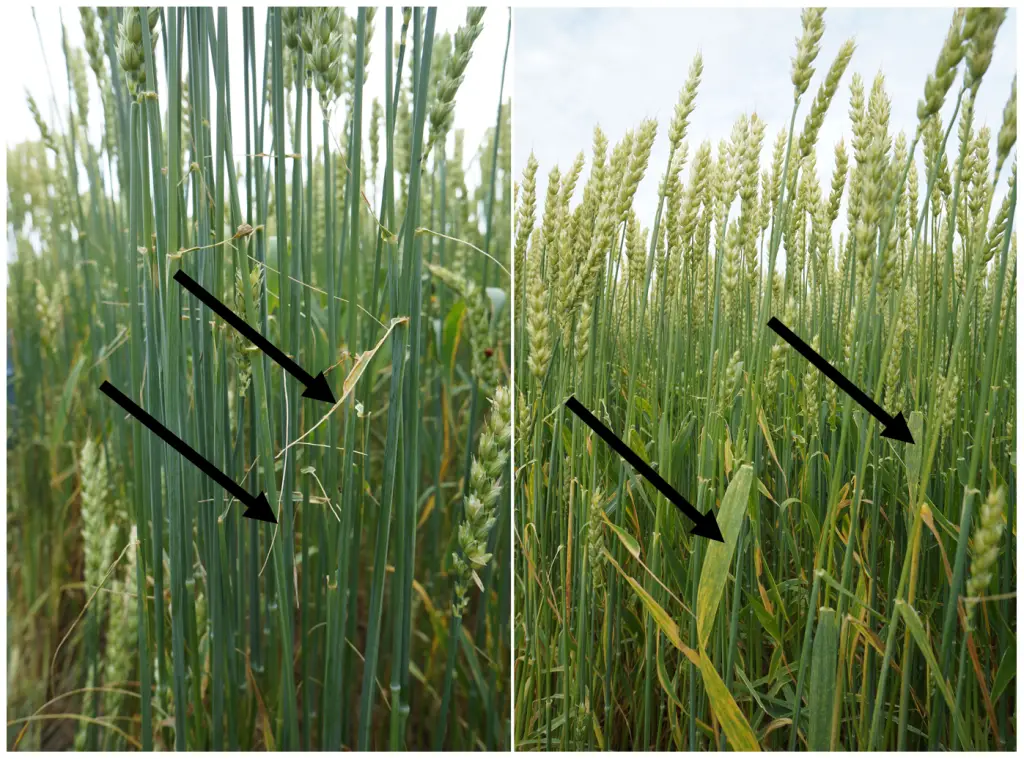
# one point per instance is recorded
(706, 524)
(316, 387)
(895, 427)
(258, 506)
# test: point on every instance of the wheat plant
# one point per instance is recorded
(144, 611)
(863, 597)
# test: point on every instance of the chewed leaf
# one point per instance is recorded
(719, 555)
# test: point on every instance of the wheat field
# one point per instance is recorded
(448, 556)
(864, 594)
(355, 230)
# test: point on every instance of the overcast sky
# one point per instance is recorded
(614, 67)
(22, 58)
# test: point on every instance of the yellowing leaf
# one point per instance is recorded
(719, 555)
(624, 537)
(764, 599)
(869, 635)
(774, 725)
(598, 735)
(425, 515)
(663, 678)
(661, 618)
(768, 440)
(350, 381)
(734, 724)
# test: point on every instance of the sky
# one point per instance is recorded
(614, 67)
(33, 66)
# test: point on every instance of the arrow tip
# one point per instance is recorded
(319, 390)
(260, 510)
(897, 429)
(708, 527)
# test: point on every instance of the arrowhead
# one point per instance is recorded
(260, 510)
(319, 390)
(708, 527)
(897, 429)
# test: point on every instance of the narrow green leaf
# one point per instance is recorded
(1006, 673)
(914, 452)
(767, 620)
(823, 678)
(66, 398)
(913, 623)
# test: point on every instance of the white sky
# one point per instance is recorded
(22, 57)
(614, 67)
